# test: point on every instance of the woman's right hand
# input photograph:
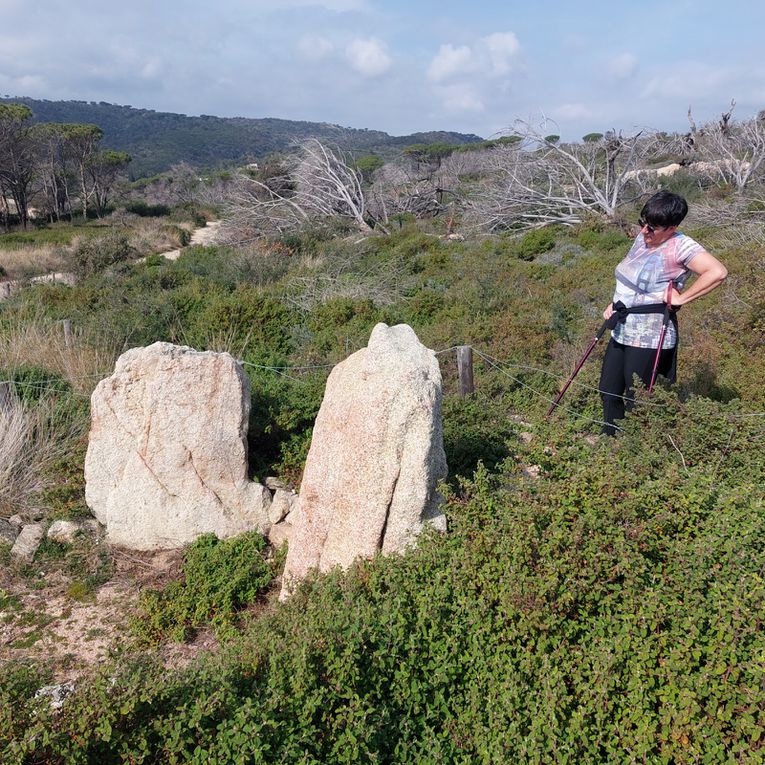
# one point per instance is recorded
(609, 312)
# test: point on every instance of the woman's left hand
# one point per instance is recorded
(673, 297)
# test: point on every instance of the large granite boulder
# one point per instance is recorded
(375, 459)
(167, 455)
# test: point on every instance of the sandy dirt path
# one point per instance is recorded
(202, 237)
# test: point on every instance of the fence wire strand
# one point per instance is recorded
(290, 371)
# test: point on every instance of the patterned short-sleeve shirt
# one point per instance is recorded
(642, 278)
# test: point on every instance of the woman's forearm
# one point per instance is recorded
(704, 284)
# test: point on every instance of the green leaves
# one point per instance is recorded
(218, 579)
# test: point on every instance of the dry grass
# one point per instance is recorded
(151, 236)
(17, 435)
(24, 262)
(42, 344)
(28, 445)
(147, 236)
(35, 436)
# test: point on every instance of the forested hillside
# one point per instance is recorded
(157, 140)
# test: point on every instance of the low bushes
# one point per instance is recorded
(609, 611)
(218, 579)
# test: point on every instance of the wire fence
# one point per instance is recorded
(510, 369)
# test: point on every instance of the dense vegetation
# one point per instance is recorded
(158, 140)
(595, 600)
(610, 611)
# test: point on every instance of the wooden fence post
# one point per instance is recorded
(465, 369)
(68, 339)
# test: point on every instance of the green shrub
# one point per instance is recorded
(145, 210)
(19, 680)
(683, 183)
(608, 610)
(249, 321)
(535, 242)
(32, 384)
(281, 420)
(218, 579)
(476, 430)
(607, 240)
(611, 606)
(94, 255)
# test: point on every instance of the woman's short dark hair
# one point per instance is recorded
(664, 209)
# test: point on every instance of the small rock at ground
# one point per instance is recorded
(8, 532)
(274, 483)
(64, 532)
(281, 505)
(532, 471)
(280, 533)
(56, 693)
(92, 527)
(27, 542)
(16, 520)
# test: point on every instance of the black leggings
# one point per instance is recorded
(620, 363)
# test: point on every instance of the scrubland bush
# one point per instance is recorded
(607, 611)
(535, 242)
(218, 579)
(91, 256)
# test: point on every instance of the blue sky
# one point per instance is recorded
(393, 65)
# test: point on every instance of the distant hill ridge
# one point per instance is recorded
(157, 140)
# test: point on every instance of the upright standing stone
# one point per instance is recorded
(167, 455)
(376, 457)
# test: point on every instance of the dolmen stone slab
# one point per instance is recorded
(375, 459)
(167, 453)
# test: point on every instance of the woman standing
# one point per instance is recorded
(650, 277)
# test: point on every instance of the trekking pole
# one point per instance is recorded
(662, 334)
(594, 342)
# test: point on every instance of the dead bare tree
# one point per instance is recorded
(731, 153)
(400, 188)
(319, 183)
(540, 181)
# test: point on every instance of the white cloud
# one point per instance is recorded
(449, 61)
(623, 66)
(571, 112)
(502, 48)
(24, 85)
(688, 80)
(461, 98)
(314, 47)
(152, 68)
(369, 57)
(492, 56)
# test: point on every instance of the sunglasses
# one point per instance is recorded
(648, 227)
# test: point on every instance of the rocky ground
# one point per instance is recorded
(48, 615)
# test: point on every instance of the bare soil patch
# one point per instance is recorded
(41, 619)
